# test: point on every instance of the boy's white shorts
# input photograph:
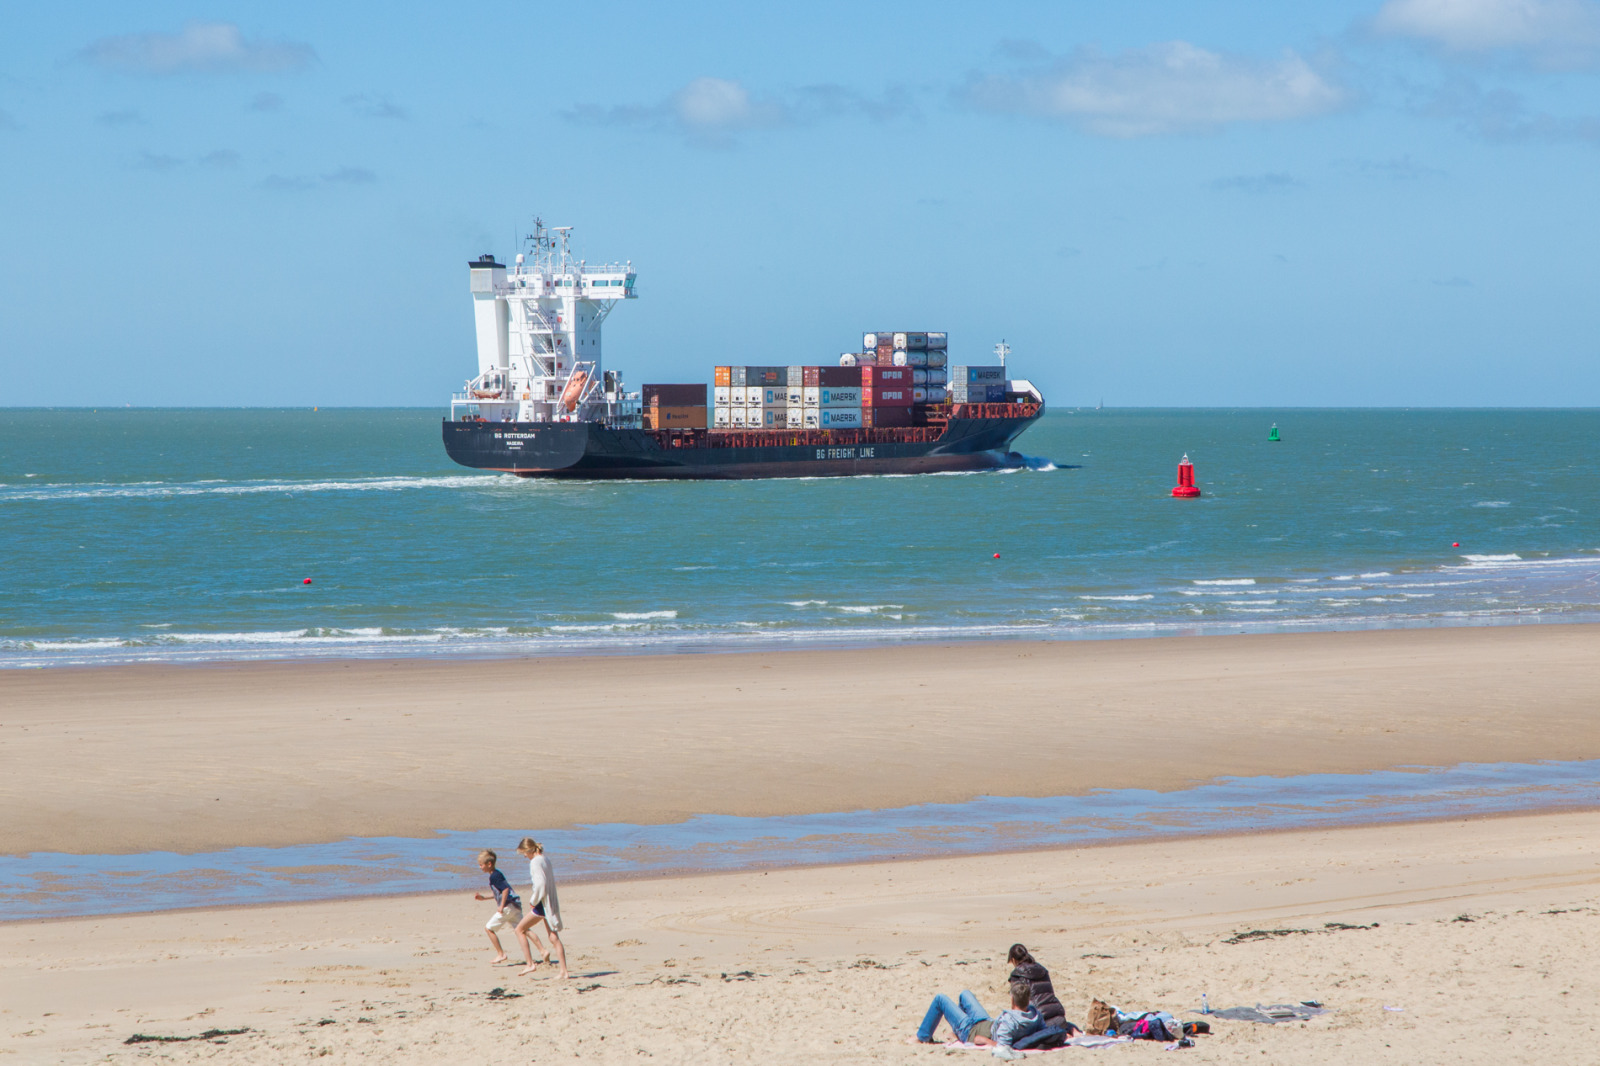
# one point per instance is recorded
(510, 916)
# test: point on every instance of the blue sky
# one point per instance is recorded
(1381, 203)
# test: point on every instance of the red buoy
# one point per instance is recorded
(1185, 488)
(1455, 544)
(997, 555)
(307, 581)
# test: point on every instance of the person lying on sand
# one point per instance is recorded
(507, 907)
(972, 1024)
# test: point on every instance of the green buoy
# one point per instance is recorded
(1273, 433)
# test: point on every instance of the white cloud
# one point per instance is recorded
(1164, 88)
(1558, 32)
(199, 48)
(716, 104)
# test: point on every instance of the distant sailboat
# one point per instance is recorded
(1100, 404)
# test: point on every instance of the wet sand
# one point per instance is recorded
(191, 758)
(1487, 935)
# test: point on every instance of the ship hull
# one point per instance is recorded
(583, 450)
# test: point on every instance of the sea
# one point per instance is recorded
(185, 535)
(191, 535)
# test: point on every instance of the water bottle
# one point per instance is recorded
(1205, 1005)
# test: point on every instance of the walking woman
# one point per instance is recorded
(541, 905)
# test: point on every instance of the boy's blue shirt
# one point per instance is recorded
(1013, 1025)
(503, 896)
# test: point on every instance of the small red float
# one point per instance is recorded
(1185, 488)
(997, 555)
(307, 581)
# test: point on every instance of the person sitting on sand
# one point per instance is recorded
(507, 907)
(1025, 970)
(542, 906)
(972, 1024)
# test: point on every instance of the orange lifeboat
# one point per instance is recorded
(574, 390)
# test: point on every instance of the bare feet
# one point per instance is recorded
(532, 966)
(497, 961)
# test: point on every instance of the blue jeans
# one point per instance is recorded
(961, 1017)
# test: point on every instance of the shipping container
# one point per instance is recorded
(674, 418)
(886, 417)
(879, 339)
(977, 392)
(867, 359)
(796, 377)
(936, 394)
(797, 418)
(847, 359)
(972, 375)
(772, 396)
(936, 376)
(938, 341)
(910, 358)
(886, 396)
(724, 375)
(812, 376)
(938, 358)
(736, 376)
(741, 416)
(811, 418)
(840, 418)
(838, 375)
(886, 375)
(723, 418)
(736, 394)
(839, 396)
(766, 375)
(673, 395)
(719, 395)
(886, 354)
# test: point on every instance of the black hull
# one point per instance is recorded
(589, 450)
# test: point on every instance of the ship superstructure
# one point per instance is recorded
(540, 357)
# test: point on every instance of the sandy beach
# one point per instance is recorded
(1480, 947)
(192, 758)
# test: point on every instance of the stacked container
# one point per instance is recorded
(978, 384)
(673, 406)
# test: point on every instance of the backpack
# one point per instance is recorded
(1101, 1018)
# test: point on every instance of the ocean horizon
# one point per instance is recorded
(181, 535)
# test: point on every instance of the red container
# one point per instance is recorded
(810, 376)
(886, 396)
(673, 395)
(837, 375)
(886, 375)
(885, 417)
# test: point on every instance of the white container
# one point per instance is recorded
(736, 395)
(938, 341)
(839, 396)
(936, 376)
(841, 418)
(847, 359)
(796, 376)
(899, 342)
(721, 417)
(937, 358)
(719, 395)
(811, 418)
(910, 358)
(797, 417)
(870, 341)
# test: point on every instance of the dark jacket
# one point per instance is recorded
(1051, 1012)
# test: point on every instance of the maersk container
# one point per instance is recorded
(917, 358)
(840, 418)
(839, 396)
(771, 396)
(973, 375)
(774, 417)
(719, 394)
(938, 358)
(938, 341)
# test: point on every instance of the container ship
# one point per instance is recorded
(543, 404)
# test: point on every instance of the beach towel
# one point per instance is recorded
(1081, 1040)
(1271, 1015)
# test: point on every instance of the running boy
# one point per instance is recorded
(507, 907)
